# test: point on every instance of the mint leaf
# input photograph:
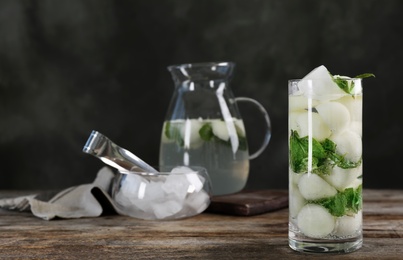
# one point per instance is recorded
(354, 199)
(243, 143)
(337, 159)
(168, 130)
(206, 132)
(335, 205)
(364, 75)
(173, 133)
(343, 203)
(347, 85)
(344, 84)
(299, 152)
(329, 145)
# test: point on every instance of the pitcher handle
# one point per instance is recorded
(268, 124)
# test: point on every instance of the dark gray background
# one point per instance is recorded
(68, 67)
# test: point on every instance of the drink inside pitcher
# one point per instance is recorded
(219, 146)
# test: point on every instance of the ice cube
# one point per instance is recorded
(319, 130)
(315, 221)
(198, 202)
(194, 181)
(195, 203)
(181, 169)
(319, 85)
(130, 183)
(313, 187)
(176, 185)
(149, 194)
(166, 209)
(129, 190)
(348, 144)
(335, 115)
(188, 178)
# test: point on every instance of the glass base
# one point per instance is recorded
(326, 247)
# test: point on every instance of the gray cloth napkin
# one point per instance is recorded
(87, 200)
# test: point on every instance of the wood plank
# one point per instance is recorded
(206, 236)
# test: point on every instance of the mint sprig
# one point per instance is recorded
(346, 202)
(364, 75)
(347, 85)
(323, 155)
(206, 134)
(173, 133)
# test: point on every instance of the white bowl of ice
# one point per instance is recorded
(181, 192)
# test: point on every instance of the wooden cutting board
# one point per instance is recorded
(249, 203)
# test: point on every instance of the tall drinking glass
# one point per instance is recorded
(325, 167)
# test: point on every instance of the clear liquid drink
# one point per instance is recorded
(203, 125)
(208, 142)
(325, 163)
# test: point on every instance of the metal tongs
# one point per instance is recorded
(104, 149)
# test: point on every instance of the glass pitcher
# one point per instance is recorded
(203, 126)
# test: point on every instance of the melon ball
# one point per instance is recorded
(294, 177)
(240, 127)
(343, 178)
(300, 103)
(348, 144)
(319, 130)
(356, 183)
(356, 127)
(313, 187)
(348, 225)
(296, 201)
(335, 115)
(354, 106)
(315, 221)
(220, 129)
(190, 133)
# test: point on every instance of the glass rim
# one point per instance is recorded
(201, 64)
(193, 169)
(297, 80)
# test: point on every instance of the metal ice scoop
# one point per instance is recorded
(103, 148)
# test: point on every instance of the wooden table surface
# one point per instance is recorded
(206, 236)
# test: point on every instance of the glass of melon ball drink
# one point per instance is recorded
(325, 162)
